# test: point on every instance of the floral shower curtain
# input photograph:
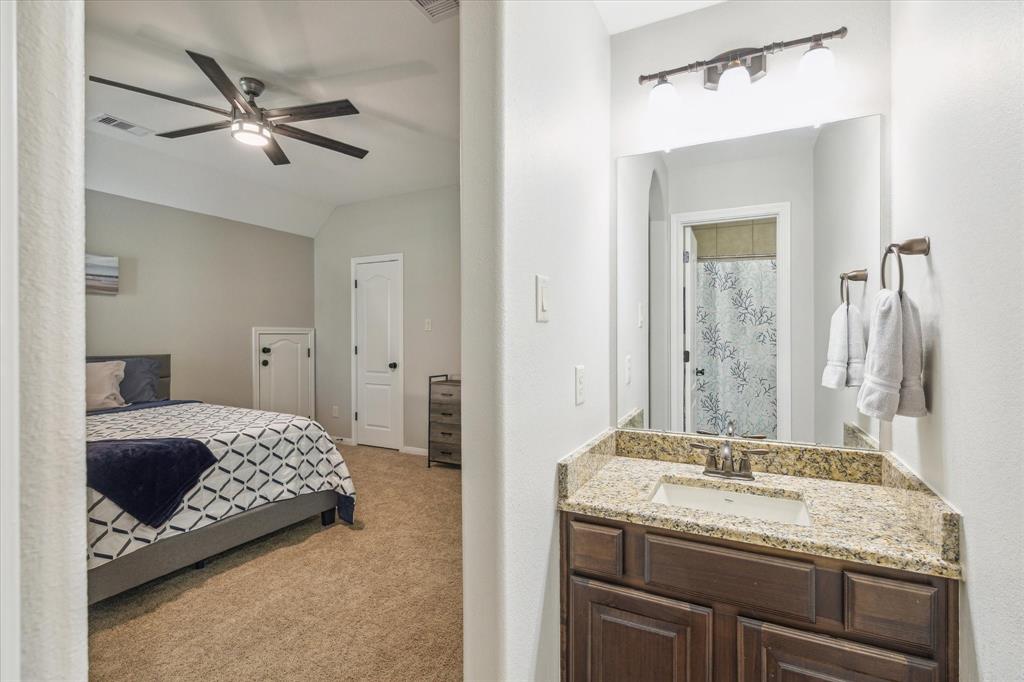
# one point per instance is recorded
(735, 347)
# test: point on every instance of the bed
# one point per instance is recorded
(272, 470)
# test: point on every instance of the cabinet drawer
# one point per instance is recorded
(894, 609)
(446, 433)
(446, 452)
(446, 413)
(773, 652)
(782, 586)
(444, 393)
(596, 549)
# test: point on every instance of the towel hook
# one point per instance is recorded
(918, 246)
(844, 281)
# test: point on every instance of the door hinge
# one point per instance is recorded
(356, 283)
(309, 353)
(357, 350)
(357, 416)
(686, 356)
(686, 256)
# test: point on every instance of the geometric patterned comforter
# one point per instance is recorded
(261, 457)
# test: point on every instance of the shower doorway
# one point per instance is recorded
(730, 321)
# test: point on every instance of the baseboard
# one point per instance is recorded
(345, 441)
(413, 451)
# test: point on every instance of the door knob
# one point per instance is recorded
(265, 362)
(393, 365)
(699, 372)
(264, 350)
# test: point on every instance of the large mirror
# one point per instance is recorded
(729, 256)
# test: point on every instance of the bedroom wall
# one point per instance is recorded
(194, 286)
(424, 227)
(51, 273)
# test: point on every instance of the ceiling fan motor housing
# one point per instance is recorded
(251, 87)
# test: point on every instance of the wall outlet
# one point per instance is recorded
(427, 325)
(334, 411)
(543, 299)
(578, 378)
(629, 369)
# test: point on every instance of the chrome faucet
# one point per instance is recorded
(722, 464)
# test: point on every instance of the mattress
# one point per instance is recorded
(262, 457)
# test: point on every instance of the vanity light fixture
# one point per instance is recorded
(735, 69)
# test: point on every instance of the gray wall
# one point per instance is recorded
(194, 286)
(424, 227)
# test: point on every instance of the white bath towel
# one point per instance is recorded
(912, 403)
(857, 349)
(836, 359)
(883, 365)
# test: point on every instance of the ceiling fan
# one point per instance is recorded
(252, 124)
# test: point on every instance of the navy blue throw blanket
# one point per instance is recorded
(147, 477)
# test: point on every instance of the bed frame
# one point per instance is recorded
(194, 547)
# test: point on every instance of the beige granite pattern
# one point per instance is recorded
(865, 506)
(633, 420)
(856, 437)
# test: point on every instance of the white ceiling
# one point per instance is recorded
(623, 15)
(399, 69)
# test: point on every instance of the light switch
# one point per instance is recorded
(578, 374)
(334, 411)
(629, 369)
(426, 325)
(543, 299)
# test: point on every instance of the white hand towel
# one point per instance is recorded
(857, 350)
(912, 403)
(837, 356)
(883, 364)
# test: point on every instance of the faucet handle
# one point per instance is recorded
(701, 446)
(745, 458)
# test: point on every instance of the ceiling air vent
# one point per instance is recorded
(121, 124)
(436, 10)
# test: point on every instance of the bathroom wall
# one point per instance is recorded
(847, 236)
(536, 184)
(958, 177)
(863, 66)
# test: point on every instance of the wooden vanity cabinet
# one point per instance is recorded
(642, 603)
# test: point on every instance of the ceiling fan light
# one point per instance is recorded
(250, 132)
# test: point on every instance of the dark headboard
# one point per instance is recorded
(163, 387)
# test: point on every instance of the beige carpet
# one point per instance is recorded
(308, 603)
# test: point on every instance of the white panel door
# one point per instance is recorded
(378, 360)
(284, 364)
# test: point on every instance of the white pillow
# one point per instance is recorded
(103, 384)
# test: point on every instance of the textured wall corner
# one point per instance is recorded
(51, 123)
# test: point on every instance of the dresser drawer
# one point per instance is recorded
(897, 610)
(782, 586)
(446, 413)
(445, 452)
(595, 549)
(445, 393)
(446, 433)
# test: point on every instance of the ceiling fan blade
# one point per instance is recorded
(319, 140)
(275, 153)
(212, 69)
(308, 112)
(219, 125)
(151, 93)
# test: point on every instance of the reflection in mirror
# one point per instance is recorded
(728, 258)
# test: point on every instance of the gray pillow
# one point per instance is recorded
(141, 378)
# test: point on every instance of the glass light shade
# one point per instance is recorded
(818, 66)
(735, 80)
(665, 108)
(250, 132)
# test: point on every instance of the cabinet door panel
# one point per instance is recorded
(772, 652)
(619, 635)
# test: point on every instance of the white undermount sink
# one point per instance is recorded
(777, 509)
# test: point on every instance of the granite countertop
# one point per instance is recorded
(880, 523)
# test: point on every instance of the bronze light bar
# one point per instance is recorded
(752, 57)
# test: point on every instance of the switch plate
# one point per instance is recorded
(578, 379)
(427, 325)
(629, 369)
(543, 299)
(334, 411)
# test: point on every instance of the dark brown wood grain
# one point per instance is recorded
(619, 634)
(772, 652)
(727, 575)
(894, 609)
(595, 549)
